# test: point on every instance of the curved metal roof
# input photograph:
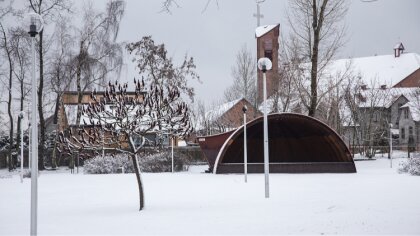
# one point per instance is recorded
(293, 138)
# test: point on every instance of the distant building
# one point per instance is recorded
(389, 94)
(268, 46)
(226, 117)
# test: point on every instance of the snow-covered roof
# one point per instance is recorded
(386, 97)
(261, 30)
(414, 109)
(399, 46)
(220, 110)
(379, 70)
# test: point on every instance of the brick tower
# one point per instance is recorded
(267, 46)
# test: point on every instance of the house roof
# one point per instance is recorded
(218, 111)
(379, 70)
(386, 97)
(414, 108)
(261, 30)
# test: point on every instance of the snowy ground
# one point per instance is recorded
(376, 200)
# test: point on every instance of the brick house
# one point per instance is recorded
(226, 117)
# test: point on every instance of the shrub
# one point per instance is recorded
(411, 166)
(108, 164)
(161, 162)
(152, 162)
(414, 166)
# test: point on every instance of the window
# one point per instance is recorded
(268, 49)
(375, 117)
(405, 113)
(399, 110)
(410, 131)
(268, 54)
(402, 133)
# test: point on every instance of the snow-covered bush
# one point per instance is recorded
(411, 166)
(414, 166)
(404, 166)
(155, 162)
(161, 162)
(108, 164)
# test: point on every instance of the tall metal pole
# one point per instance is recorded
(390, 144)
(172, 153)
(266, 165)
(21, 146)
(30, 145)
(34, 171)
(245, 148)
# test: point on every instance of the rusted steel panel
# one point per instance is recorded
(211, 145)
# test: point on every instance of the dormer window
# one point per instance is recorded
(398, 49)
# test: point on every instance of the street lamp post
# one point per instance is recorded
(390, 144)
(264, 64)
(21, 115)
(244, 109)
(35, 26)
(172, 152)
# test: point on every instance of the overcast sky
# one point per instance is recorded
(214, 36)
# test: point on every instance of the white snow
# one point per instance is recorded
(399, 46)
(376, 200)
(215, 113)
(261, 30)
(383, 70)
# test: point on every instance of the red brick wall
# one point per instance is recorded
(412, 80)
(234, 117)
(272, 36)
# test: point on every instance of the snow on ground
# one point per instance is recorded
(376, 200)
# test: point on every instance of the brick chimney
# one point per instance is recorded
(398, 49)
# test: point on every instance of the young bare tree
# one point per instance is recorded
(120, 121)
(317, 25)
(244, 78)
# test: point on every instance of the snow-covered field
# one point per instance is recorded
(376, 200)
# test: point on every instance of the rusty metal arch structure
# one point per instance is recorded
(297, 144)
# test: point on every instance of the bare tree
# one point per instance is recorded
(158, 68)
(167, 5)
(285, 96)
(48, 9)
(244, 78)
(318, 27)
(368, 107)
(120, 121)
(20, 55)
(7, 48)
(98, 52)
